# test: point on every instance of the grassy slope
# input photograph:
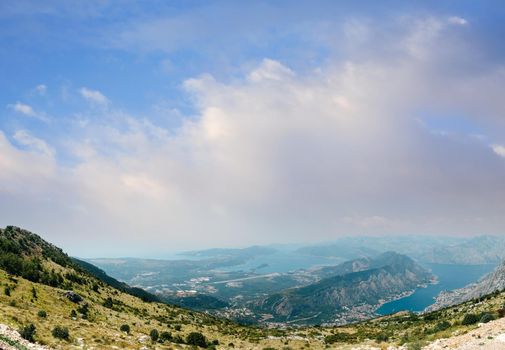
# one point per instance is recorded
(102, 328)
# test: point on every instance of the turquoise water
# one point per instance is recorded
(449, 277)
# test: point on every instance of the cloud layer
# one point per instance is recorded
(362, 144)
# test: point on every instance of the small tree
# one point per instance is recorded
(470, 319)
(154, 335)
(27, 332)
(60, 332)
(125, 328)
(42, 314)
(196, 338)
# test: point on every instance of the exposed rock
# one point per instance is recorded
(14, 337)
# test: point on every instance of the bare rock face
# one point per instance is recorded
(492, 282)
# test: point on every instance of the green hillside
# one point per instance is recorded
(36, 279)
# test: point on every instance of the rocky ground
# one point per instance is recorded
(489, 336)
(11, 340)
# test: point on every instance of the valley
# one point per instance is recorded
(238, 284)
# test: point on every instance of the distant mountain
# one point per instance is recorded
(492, 282)
(362, 283)
(484, 249)
(475, 250)
(244, 253)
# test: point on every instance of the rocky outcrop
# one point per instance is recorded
(11, 340)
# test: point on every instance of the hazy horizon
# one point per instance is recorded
(142, 128)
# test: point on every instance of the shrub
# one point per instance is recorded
(27, 332)
(470, 319)
(83, 310)
(165, 336)
(154, 335)
(73, 314)
(60, 332)
(108, 303)
(196, 338)
(7, 291)
(442, 326)
(42, 314)
(486, 317)
(381, 337)
(125, 328)
(338, 338)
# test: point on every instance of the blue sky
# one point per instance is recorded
(196, 123)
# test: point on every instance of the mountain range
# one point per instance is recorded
(351, 293)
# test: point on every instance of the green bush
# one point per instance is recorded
(486, 317)
(165, 336)
(381, 337)
(470, 319)
(27, 332)
(125, 328)
(442, 326)
(42, 314)
(60, 332)
(84, 310)
(7, 291)
(196, 338)
(108, 303)
(339, 338)
(154, 335)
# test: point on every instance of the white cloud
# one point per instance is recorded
(499, 150)
(270, 70)
(28, 110)
(279, 155)
(457, 20)
(93, 96)
(23, 109)
(33, 143)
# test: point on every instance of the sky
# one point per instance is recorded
(134, 128)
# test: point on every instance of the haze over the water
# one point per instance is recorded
(133, 128)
